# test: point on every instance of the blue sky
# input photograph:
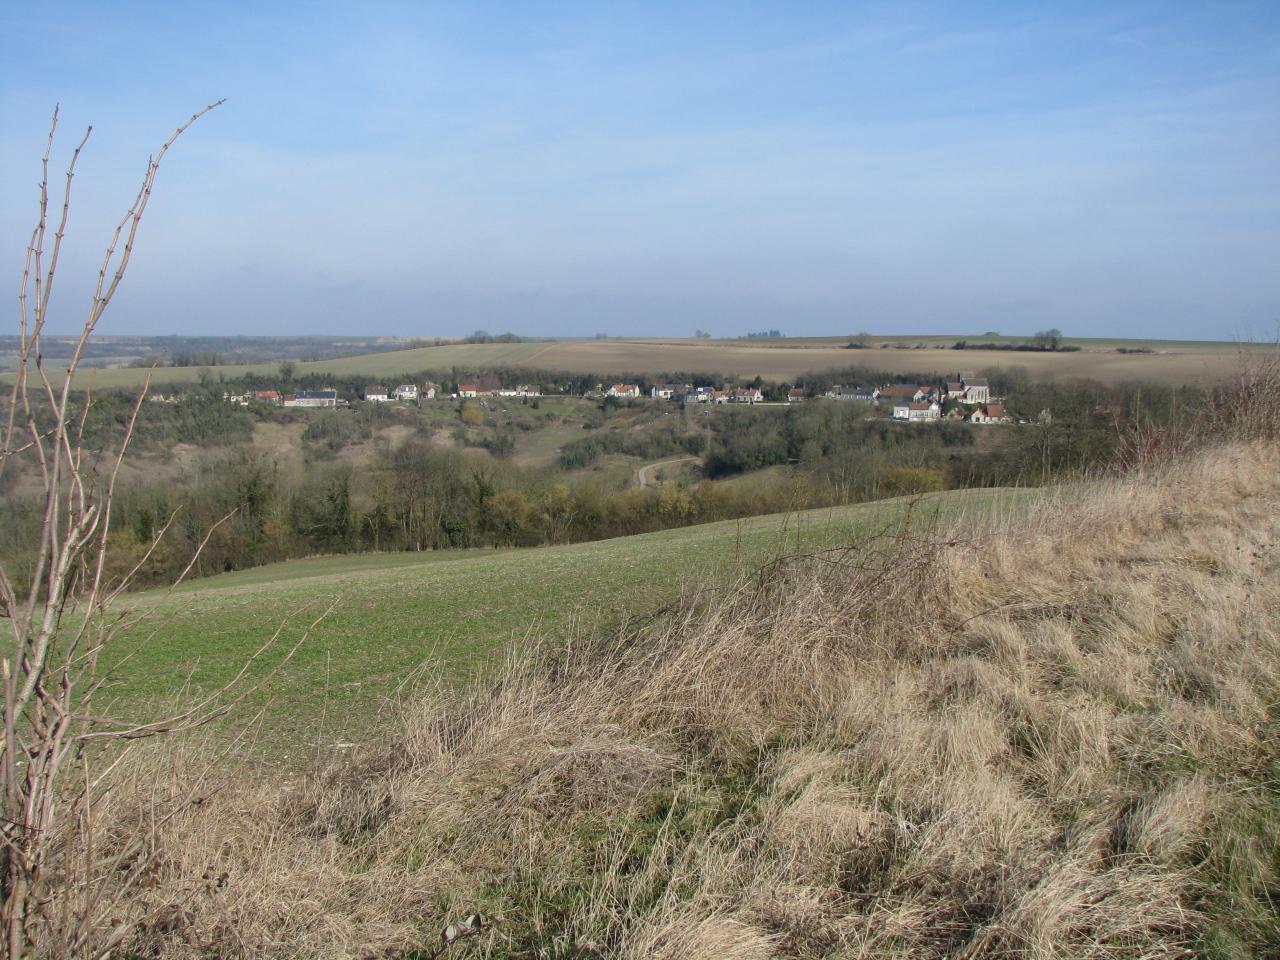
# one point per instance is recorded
(1112, 169)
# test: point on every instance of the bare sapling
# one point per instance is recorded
(57, 749)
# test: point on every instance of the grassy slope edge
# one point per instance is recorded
(405, 616)
(1046, 736)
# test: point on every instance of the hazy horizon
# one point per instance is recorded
(427, 170)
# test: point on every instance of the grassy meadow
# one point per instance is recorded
(402, 618)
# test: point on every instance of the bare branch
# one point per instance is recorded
(49, 676)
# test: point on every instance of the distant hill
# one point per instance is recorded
(774, 359)
(456, 609)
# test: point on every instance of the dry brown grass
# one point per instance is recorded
(1053, 736)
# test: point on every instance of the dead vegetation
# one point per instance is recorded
(1051, 737)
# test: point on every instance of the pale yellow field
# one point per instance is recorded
(789, 360)
(1172, 361)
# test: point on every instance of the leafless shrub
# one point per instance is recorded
(65, 870)
(1249, 406)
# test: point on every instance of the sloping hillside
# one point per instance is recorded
(449, 612)
(1052, 736)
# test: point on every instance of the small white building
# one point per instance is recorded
(916, 411)
(427, 391)
(860, 394)
(375, 393)
(327, 397)
(669, 391)
(406, 391)
(747, 395)
(626, 390)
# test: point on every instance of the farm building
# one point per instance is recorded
(327, 397)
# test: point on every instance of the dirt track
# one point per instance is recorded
(642, 475)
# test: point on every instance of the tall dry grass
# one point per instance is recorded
(1049, 734)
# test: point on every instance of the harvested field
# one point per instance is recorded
(1173, 362)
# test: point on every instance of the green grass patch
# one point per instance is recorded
(447, 614)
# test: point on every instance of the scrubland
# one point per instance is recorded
(1052, 735)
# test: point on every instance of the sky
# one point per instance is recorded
(649, 169)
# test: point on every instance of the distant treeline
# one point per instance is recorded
(1045, 341)
(1019, 347)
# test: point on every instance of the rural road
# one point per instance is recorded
(642, 475)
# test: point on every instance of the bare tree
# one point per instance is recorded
(53, 889)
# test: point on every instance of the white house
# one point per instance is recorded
(623, 390)
(427, 391)
(467, 390)
(915, 411)
(796, 395)
(669, 391)
(378, 394)
(406, 391)
(747, 395)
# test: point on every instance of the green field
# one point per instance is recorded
(398, 618)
